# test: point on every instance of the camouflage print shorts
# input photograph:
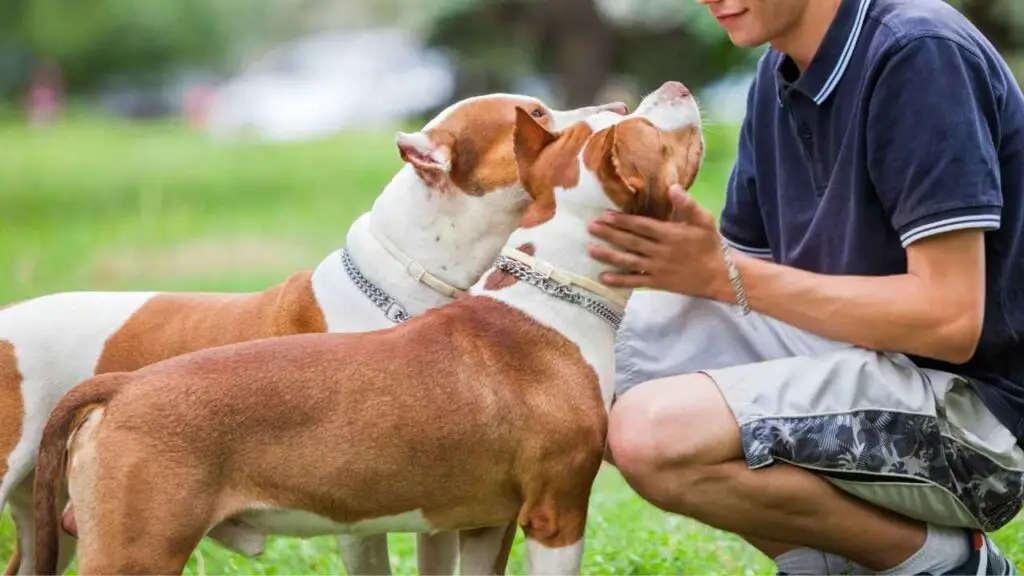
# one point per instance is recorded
(918, 442)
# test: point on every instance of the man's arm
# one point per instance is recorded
(935, 310)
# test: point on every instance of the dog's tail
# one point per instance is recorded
(69, 413)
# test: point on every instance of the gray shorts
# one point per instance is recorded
(919, 442)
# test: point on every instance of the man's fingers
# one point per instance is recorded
(622, 239)
(684, 207)
(616, 258)
(639, 225)
(681, 203)
(627, 280)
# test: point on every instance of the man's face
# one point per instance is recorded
(751, 23)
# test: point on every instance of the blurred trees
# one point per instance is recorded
(93, 40)
(583, 45)
(1001, 20)
(90, 38)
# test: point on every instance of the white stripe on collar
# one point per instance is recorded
(844, 58)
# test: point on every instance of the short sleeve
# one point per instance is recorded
(740, 223)
(932, 155)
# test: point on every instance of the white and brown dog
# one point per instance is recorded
(432, 232)
(474, 416)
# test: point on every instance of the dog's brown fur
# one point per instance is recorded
(176, 323)
(10, 428)
(10, 395)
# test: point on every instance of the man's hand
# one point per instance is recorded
(935, 309)
(683, 255)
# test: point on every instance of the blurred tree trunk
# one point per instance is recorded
(583, 46)
(1002, 31)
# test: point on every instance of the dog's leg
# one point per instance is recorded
(554, 530)
(437, 553)
(21, 512)
(67, 548)
(565, 559)
(20, 502)
(105, 549)
(486, 550)
(140, 512)
(365, 554)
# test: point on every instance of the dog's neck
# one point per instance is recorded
(454, 236)
(562, 242)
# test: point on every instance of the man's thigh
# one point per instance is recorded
(918, 442)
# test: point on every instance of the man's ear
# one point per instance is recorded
(430, 155)
(529, 140)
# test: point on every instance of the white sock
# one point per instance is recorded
(944, 549)
(817, 563)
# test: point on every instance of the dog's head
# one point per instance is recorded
(460, 192)
(612, 161)
(468, 147)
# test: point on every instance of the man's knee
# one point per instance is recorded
(668, 425)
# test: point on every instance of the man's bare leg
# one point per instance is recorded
(791, 559)
(678, 445)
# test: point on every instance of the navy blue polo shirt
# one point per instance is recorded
(906, 124)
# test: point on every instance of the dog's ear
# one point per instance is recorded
(634, 168)
(430, 154)
(529, 140)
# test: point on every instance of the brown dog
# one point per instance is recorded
(487, 411)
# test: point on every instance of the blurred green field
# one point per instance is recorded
(96, 204)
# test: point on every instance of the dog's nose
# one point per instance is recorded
(675, 90)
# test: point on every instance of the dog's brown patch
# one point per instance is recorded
(12, 405)
(547, 161)
(177, 323)
(499, 279)
(479, 133)
(637, 163)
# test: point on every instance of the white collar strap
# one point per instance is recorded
(415, 269)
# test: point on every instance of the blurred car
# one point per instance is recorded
(324, 84)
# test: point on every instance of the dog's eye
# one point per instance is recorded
(537, 113)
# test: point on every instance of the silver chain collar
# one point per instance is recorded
(532, 277)
(392, 308)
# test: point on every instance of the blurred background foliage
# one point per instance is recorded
(588, 45)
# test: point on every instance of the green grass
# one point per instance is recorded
(98, 204)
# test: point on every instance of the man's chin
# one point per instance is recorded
(746, 40)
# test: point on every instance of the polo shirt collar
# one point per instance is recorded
(832, 58)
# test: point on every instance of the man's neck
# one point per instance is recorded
(802, 41)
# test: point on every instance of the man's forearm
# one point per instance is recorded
(887, 313)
